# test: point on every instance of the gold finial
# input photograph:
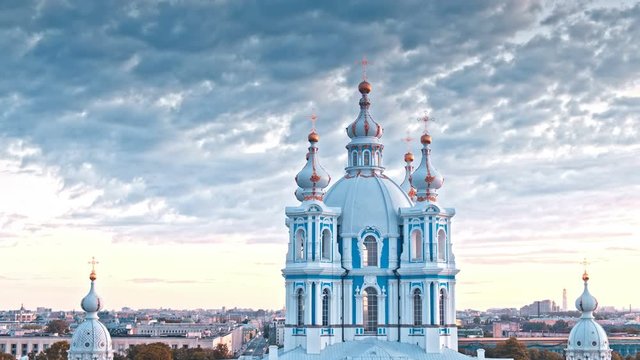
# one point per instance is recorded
(408, 157)
(585, 275)
(93, 264)
(364, 87)
(313, 135)
(426, 138)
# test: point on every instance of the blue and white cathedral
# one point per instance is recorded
(370, 267)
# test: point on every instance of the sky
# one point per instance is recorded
(163, 137)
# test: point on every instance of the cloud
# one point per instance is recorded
(172, 122)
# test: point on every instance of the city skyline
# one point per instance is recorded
(163, 139)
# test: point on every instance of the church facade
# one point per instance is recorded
(369, 259)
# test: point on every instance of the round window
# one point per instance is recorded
(594, 343)
(579, 343)
(87, 344)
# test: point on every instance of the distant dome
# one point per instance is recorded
(587, 335)
(91, 337)
(368, 201)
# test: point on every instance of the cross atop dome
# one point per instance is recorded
(93, 264)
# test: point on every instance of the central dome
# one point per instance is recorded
(368, 201)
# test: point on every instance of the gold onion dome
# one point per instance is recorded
(93, 276)
(425, 139)
(314, 137)
(364, 87)
(408, 157)
(585, 276)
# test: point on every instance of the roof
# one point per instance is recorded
(372, 349)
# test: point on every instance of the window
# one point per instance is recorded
(417, 307)
(299, 244)
(367, 158)
(378, 159)
(370, 310)
(442, 245)
(300, 301)
(325, 307)
(370, 254)
(326, 244)
(443, 307)
(354, 159)
(416, 245)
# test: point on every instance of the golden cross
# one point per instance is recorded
(364, 64)
(407, 140)
(314, 118)
(93, 263)
(585, 263)
(425, 119)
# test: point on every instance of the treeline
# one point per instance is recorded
(153, 351)
(160, 351)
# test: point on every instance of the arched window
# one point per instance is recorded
(416, 245)
(443, 307)
(299, 244)
(417, 307)
(325, 307)
(370, 310)
(370, 255)
(379, 158)
(300, 307)
(367, 158)
(442, 245)
(326, 244)
(354, 158)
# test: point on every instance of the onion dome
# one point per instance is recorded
(426, 179)
(91, 303)
(313, 178)
(364, 125)
(586, 302)
(406, 183)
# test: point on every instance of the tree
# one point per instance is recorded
(560, 326)
(512, 348)
(117, 356)
(221, 351)
(153, 351)
(57, 326)
(5, 356)
(616, 356)
(476, 320)
(57, 351)
(535, 354)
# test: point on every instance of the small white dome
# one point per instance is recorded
(90, 337)
(588, 335)
(91, 302)
(368, 200)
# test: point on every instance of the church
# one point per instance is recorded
(370, 271)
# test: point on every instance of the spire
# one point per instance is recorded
(426, 179)
(586, 303)
(406, 183)
(92, 303)
(364, 125)
(364, 151)
(313, 178)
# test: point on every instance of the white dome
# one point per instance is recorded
(588, 335)
(368, 201)
(91, 338)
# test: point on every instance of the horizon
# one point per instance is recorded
(163, 139)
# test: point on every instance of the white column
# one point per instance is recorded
(393, 252)
(307, 303)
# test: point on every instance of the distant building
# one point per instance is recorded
(505, 329)
(538, 308)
